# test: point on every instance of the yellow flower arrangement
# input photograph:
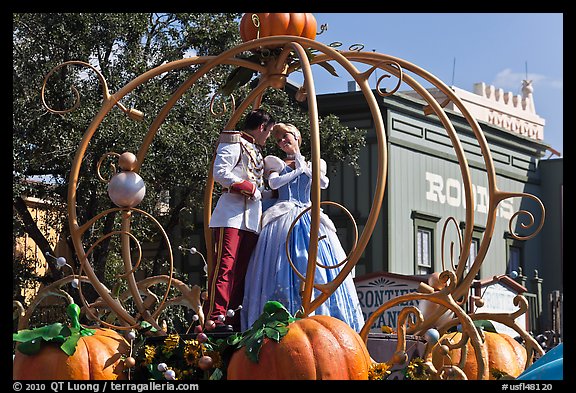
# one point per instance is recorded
(417, 370)
(192, 352)
(170, 344)
(378, 371)
(180, 356)
(149, 353)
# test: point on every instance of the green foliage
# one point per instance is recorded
(338, 143)
(485, 325)
(123, 47)
(182, 353)
(272, 323)
(31, 339)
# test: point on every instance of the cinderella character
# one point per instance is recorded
(269, 275)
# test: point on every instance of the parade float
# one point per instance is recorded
(135, 345)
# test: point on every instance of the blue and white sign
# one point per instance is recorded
(375, 290)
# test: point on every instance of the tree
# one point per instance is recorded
(122, 47)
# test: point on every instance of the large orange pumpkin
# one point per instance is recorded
(97, 357)
(504, 355)
(271, 24)
(315, 347)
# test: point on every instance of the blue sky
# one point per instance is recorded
(462, 49)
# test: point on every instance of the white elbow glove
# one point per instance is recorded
(301, 163)
(275, 180)
(323, 178)
(307, 169)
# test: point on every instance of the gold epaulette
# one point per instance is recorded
(230, 137)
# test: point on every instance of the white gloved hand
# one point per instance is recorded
(275, 180)
(257, 195)
(308, 169)
(300, 163)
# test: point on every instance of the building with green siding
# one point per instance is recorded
(424, 188)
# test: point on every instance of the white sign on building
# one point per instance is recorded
(499, 298)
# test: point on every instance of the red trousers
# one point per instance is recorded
(232, 250)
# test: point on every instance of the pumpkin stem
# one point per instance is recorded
(73, 311)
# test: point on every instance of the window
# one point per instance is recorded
(474, 247)
(424, 251)
(472, 256)
(424, 242)
(514, 255)
(513, 259)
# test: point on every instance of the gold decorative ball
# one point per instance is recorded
(129, 362)
(127, 161)
(205, 363)
(444, 349)
(209, 325)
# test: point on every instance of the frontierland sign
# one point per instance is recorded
(376, 289)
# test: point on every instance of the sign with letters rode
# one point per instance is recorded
(378, 288)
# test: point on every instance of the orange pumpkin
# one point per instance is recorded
(271, 24)
(315, 347)
(504, 355)
(97, 357)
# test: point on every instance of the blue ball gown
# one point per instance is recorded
(270, 276)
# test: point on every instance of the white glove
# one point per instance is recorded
(257, 195)
(307, 169)
(275, 180)
(300, 162)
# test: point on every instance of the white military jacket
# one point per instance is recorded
(237, 159)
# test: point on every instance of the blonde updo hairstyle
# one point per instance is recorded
(282, 128)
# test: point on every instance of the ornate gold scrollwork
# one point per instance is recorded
(355, 236)
(292, 57)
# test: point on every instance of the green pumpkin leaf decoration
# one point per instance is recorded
(31, 339)
(147, 326)
(46, 333)
(273, 306)
(237, 78)
(233, 339)
(328, 67)
(272, 323)
(69, 346)
(216, 375)
(30, 347)
(485, 325)
(272, 334)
